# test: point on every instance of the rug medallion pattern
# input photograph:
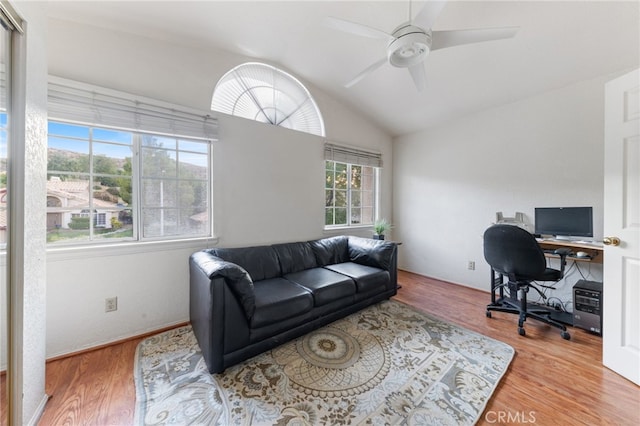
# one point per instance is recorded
(387, 364)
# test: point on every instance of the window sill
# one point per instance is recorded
(340, 229)
(98, 250)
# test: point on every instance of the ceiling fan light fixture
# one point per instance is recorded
(410, 47)
(410, 43)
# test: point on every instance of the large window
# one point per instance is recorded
(127, 175)
(351, 186)
(98, 187)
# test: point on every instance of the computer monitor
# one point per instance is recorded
(564, 222)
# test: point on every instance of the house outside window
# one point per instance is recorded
(89, 173)
(351, 186)
(121, 185)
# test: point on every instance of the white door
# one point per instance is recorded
(621, 282)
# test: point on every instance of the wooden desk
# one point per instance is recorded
(594, 250)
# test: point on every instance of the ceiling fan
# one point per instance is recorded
(410, 43)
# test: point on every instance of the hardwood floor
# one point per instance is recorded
(551, 381)
(93, 388)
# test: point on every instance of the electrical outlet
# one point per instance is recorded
(471, 265)
(111, 304)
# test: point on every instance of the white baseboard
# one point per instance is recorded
(39, 411)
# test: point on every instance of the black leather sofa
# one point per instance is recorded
(244, 301)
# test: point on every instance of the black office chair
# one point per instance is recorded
(514, 253)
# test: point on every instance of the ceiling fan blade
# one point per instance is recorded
(366, 72)
(443, 39)
(357, 29)
(429, 13)
(419, 76)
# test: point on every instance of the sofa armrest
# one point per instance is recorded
(377, 253)
(237, 279)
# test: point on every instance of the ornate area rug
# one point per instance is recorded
(387, 364)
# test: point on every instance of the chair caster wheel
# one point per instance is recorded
(488, 313)
(521, 331)
(565, 335)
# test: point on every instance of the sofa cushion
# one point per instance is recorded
(260, 262)
(325, 285)
(367, 278)
(278, 299)
(331, 250)
(295, 257)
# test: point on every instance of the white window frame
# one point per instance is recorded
(95, 107)
(352, 156)
(175, 180)
(267, 94)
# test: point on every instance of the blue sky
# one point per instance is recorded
(118, 144)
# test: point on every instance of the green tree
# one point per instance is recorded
(157, 163)
(103, 165)
(124, 183)
(66, 161)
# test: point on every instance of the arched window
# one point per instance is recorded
(53, 201)
(267, 94)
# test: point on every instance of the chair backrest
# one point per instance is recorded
(513, 251)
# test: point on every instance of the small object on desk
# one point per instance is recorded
(582, 254)
(562, 251)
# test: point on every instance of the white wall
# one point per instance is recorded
(450, 180)
(268, 186)
(151, 284)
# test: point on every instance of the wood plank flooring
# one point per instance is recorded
(551, 381)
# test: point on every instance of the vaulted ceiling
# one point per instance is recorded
(558, 44)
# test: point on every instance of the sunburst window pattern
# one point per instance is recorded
(267, 94)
